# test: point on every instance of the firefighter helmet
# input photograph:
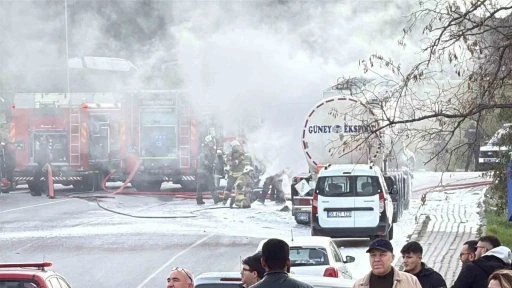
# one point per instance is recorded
(208, 139)
(235, 143)
(248, 169)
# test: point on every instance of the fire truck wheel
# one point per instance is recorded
(146, 186)
(32, 186)
(192, 186)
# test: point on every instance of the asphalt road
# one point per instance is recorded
(91, 247)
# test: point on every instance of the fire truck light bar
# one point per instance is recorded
(26, 265)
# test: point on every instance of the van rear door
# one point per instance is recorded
(367, 201)
(335, 202)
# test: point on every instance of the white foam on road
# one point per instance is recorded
(261, 221)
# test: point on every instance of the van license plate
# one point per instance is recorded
(338, 214)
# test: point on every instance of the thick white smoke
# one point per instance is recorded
(251, 60)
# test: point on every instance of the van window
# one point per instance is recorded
(348, 186)
(334, 186)
(367, 186)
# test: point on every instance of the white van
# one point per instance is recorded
(352, 201)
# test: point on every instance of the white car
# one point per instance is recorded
(233, 279)
(317, 256)
(352, 201)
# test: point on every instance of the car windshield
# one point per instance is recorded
(308, 256)
(18, 284)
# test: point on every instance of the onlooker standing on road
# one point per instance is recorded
(501, 279)
(275, 258)
(180, 278)
(252, 270)
(468, 252)
(489, 259)
(383, 274)
(412, 254)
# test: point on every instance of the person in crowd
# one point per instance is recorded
(490, 257)
(501, 279)
(383, 274)
(468, 252)
(485, 244)
(275, 258)
(180, 278)
(252, 270)
(412, 254)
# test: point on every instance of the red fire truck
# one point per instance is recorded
(166, 133)
(83, 132)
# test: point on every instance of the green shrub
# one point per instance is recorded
(499, 226)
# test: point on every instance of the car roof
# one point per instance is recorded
(354, 169)
(25, 270)
(303, 241)
(24, 274)
(234, 277)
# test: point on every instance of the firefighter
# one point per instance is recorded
(10, 164)
(206, 171)
(236, 161)
(273, 183)
(42, 158)
(243, 187)
(473, 136)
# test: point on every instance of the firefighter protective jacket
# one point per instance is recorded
(236, 162)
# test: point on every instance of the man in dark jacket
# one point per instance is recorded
(476, 273)
(275, 258)
(412, 254)
(474, 137)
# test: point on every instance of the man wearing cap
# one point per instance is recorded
(252, 270)
(383, 274)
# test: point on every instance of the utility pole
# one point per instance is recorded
(67, 46)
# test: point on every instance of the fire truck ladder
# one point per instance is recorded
(74, 132)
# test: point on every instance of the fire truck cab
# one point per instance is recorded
(81, 131)
(166, 134)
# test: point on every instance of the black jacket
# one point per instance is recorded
(429, 278)
(476, 273)
(279, 280)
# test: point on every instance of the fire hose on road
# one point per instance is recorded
(51, 195)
